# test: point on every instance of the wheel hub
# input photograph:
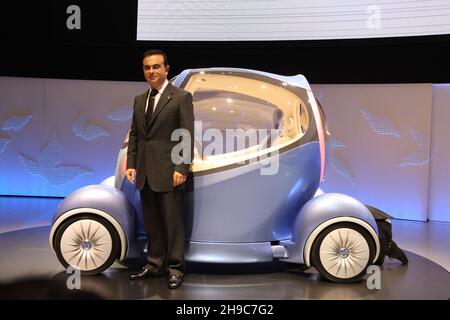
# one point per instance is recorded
(344, 253)
(86, 245)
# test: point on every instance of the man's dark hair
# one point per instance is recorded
(153, 52)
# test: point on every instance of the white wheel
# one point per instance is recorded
(342, 252)
(88, 243)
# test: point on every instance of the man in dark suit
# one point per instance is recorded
(156, 169)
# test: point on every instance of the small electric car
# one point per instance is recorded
(249, 200)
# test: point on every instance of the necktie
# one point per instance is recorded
(150, 106)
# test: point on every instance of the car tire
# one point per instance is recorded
(88, 243)
(342, 252)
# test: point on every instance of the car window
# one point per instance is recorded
(230, 112)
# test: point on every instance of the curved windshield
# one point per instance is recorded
(240, 116)
(231, 114)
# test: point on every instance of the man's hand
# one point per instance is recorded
(131, 173)
(178, 178)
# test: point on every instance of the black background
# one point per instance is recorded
(36, 43)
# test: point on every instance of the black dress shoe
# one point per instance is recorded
(174, 281)
(146, 273)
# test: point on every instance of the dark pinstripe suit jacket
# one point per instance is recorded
(149, 149)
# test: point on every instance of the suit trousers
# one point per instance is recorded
(163, 220)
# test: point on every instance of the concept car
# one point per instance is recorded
(247, 201)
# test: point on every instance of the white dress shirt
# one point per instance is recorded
(158, 95)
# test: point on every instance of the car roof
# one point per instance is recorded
(296, 80)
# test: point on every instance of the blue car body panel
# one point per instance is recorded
(320, 210)
(241, 205)
(111, 201)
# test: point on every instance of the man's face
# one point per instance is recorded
(155, 72)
